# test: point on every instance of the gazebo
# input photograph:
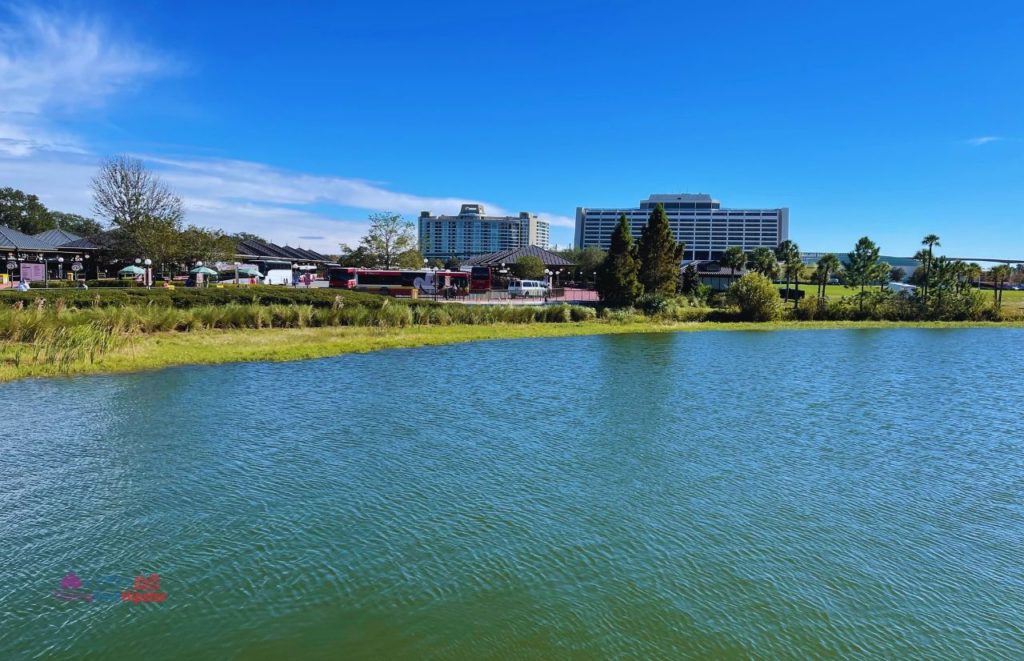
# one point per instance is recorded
(506, 257)
(555, 266)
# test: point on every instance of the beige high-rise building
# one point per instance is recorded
(473, 232)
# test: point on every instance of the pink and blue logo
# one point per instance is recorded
(144, 588)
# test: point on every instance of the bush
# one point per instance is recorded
(621, 315)
(756, 297)
(581, 313)
(652, 304)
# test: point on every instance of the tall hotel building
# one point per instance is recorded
(697, 220)
(473, 232)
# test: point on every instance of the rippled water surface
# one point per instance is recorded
(716, 494)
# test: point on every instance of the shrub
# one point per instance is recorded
(756, 297)
(557, 314)
(653, 304)
(621, 315)
(581, 313)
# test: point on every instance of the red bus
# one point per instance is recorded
(479, 279)
(399, 282)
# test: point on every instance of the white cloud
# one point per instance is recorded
(283, 206)
(52, 65)
(52, 62)
(983, 140)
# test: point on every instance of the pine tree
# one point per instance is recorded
(862, 266)
(660, 255)
(617, 282)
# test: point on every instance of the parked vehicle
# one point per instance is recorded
(527, 289)
(400, 282)
(479, 279)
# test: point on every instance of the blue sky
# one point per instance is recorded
(295, 121)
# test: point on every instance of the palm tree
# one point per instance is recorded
(828, 266)
(999, 276)
(973, 273)
(788, 253)
(733, 258)
(931, 241)
(763, 261)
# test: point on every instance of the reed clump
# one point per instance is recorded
(62, 333)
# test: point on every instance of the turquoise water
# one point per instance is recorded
(766, 494)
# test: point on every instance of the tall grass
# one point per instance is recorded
(53, 331)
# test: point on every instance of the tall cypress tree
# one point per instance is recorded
(617, 282)
(660, 255)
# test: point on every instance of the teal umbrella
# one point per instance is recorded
(249, 273)
(131, 270)
(204, 270)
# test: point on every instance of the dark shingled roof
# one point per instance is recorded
(11, 239)
(514, 255)
(57, 237)
(260, 249)
(80, 244)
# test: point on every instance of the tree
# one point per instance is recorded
(618, 282)
(862, 266)
(660, 256)
(828, 266)
(410, 259)
(197, 244)
(973, 272)
(788, 253)
(128, 195)
(882, 274)
(1000, 274)
(23, 212)
(691, 279)
(931, 241)
(764, 261)
(388, 237)
(897, 274)
(75, 224)
(757, 297)
(357, 257)
(586, 261)
(733, 258)
(529, 268)
(146, 213)
(435, 263)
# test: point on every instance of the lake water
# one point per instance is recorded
(767, 494)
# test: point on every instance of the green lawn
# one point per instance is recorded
(1013, 300)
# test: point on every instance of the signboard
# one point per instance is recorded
(76, 267)
(33, 272)
(11, 266)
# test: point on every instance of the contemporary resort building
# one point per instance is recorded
(473, 232)
(696, 219)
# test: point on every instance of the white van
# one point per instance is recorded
(527, 288)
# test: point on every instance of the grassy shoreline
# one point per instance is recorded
(209, 347)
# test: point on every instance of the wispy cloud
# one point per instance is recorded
(52, 62)
(982, 140)
(286, 207)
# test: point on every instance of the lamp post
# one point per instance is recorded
(60, 268)
(149, 272)
(237, 265)
(199, 276)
